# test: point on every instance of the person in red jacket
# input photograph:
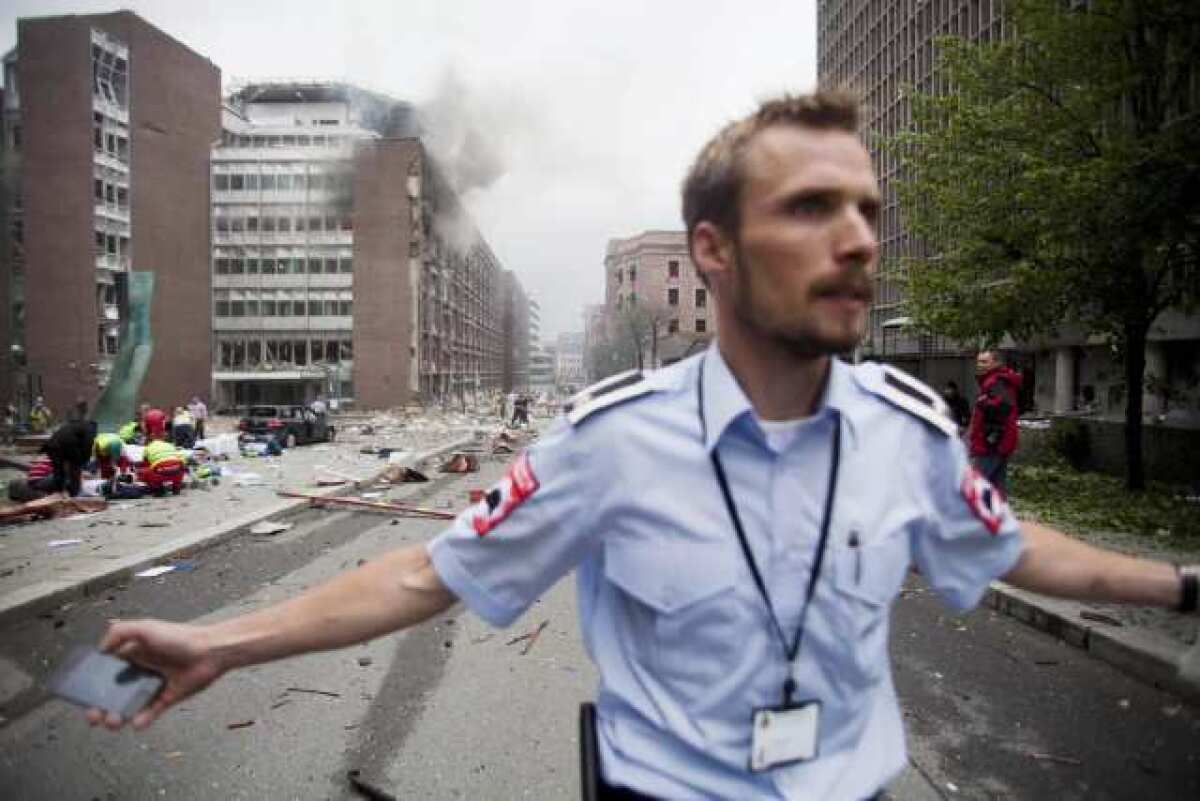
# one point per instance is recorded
(992, 434)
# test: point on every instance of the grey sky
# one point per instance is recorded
(596, 108)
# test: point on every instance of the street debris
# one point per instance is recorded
(63, 543)
(1099, 617)
(397, 474)
(153, 524)
(365, 661)
(50, 507)
(267, 527)
(1061, 760)
(530, 637)
(248, 480)
(460, 463)
(312, 692)
(152, 572)
(241, 724)
(367, 789)
(384, 506)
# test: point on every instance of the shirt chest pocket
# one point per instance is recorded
(682, 607)
(867, 576)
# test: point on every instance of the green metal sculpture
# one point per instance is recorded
(118, 403)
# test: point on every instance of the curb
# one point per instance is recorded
(1155, 660)
(36, 598)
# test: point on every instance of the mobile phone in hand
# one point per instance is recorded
(91, 678)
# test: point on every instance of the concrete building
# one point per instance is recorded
(569, 373)
(650, 281)
(516, 336)
(336, 243)
(878, 49)
(107, 126)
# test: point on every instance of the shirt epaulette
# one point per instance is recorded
(603, 394)
(900, 389)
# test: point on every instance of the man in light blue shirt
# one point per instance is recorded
(740, 522)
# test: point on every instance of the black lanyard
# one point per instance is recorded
(790, 651)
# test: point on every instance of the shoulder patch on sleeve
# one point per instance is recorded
(609, 392)
(902, 390)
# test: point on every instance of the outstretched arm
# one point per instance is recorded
(1054, 564)
(397, 590)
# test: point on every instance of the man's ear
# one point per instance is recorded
(712, 251)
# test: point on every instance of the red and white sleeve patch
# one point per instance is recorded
(985, 501)
(517, 486)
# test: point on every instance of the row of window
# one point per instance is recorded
(701, 326)
(105, 141)
(283, 308)
(110, 193)
(299, 266)
(270, 182)
(229, 139)
(238, 224)
(672, 272)
(111, 244)
(255, 352)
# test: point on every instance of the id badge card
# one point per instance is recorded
(784, 734)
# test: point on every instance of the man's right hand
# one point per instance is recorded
(178, 651)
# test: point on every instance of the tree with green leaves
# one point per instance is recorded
(1057, 182)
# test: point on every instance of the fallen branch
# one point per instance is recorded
(313, 692)
(382, 506)
(1062, 760)
(530, 637)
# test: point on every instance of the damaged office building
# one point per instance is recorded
(343, 261)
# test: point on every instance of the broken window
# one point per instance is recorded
(672, 269)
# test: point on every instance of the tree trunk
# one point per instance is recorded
(1135, 373)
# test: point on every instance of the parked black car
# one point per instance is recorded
(288, 425)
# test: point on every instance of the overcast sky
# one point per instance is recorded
(595, 109)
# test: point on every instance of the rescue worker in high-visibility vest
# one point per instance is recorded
(109, 452)
(130, 432)
(154, 423)
(158, 450)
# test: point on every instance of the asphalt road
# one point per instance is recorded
(456, 710)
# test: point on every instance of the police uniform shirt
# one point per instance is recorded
(622, 490)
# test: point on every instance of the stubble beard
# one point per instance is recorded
(801, 339)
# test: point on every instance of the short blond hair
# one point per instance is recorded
(713, 186)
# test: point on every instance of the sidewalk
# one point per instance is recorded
(47, 563)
